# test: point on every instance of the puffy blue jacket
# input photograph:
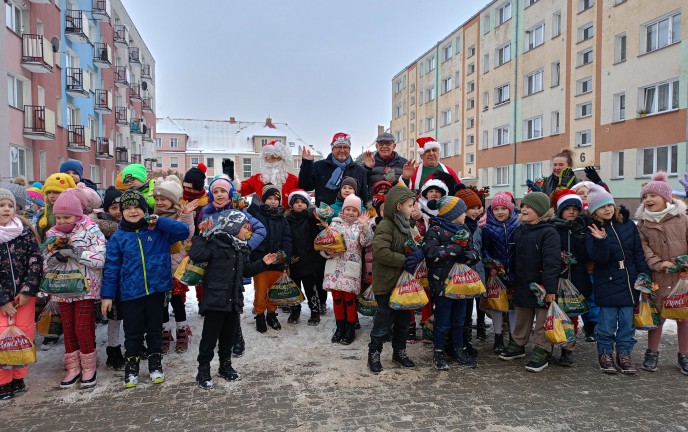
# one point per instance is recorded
(138, 263)
(618, 260)
(498, 242)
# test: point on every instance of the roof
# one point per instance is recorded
(168, 126)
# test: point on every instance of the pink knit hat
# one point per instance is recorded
(502, 199)
(88, 198)
(658, 186)
(68, 204)
(352, 201)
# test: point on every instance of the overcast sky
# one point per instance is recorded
(321, 66)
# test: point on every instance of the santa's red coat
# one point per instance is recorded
(254, 184)
(414, 181)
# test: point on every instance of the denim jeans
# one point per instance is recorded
(387, 319)
(449, 313)
(615, 325)
(593, 315)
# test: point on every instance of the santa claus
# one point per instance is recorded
(429, 152)
(276, 162)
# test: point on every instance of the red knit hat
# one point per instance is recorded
(503, 199)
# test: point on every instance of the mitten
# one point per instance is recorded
(412, 260)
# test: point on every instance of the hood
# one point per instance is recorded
(679, 209)
(395, 196)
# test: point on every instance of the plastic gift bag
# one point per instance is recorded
(284, 292)
(190, 273)
(16, 349)
(427, 328)
(558, 327)
(49, 321)
(645, 315)
(367, 305)
(571, 301)
(539, 292)
(463, 282)
(65, 280)
(421, 274)
(329, 240)
(497, 297)
(676, 305)
(408, 294)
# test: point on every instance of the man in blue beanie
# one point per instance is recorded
(76, 170)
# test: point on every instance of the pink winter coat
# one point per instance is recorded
(343, 271)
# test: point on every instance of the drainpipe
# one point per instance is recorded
(515, 57)
(437, 89)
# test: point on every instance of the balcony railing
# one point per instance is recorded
(77, 25)
(102, 55)
(147, 104)
(148, 136)
(76, 140)
(134, 55)
(137, 127)
(121, 76)
(146, 71)
(100, 10)
(76, 86)
(41, 1)
(121, 116)
(135, 92)
(149, 163)
(121, 155)
(121, 36)
(103, 148)
(136, 158)
(103, 101)
(37, 54)
(39, 123)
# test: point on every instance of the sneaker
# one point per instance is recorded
(314, 319)
(166, 341)
(463, 358)
(607, 364)
(566, 358)
(6, 392)
(273, 322)
(49, 343)
(294, 315)
(498, 345)
(239, 343)
(401, 358)
(18, 385)
(182, 343)
(227, 372)
(131, 372)
(155, 368)
(625, 363)
(374, 364)
(203, 378)
(539, 360)
(651, 361)
(439, 360)
(468, 349)
(411, 337)
(683, 363)
(115, 359)
(513, 351)
(261, 325)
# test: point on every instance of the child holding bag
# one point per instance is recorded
(20, 276)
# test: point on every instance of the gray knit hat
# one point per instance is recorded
(19, 193)
(7, 195)
(385, 136)
(231, 221)
(538, 201)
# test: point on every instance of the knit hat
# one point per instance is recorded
(38, 185)
(270, 190)
(426, 143)
(299, 194)
(385, 136)
(658, 186)
(352, 201)
(68, 204)
(88, 198)
(469, 197)
(341, 138)
(168, 187)
(381, 187)
(112, 195)
(567, 198)
(598, 197)
(435, 184)
(231, 221)
(73, 165)
(223, 182)
(349, 181)
(579, 185)
(119, 184)
(35, 196)
(195, 177)
(136, 171)
(19, 195)
(502, 199)
(538, 201)
(378, 200)
(58, 182)
(448, 207)
(132, 197)
(7, 195)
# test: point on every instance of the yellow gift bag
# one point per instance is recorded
(558, 327)
(16, 349)
(421, 274)
(676, 305)
(408, 294)
(645, 315)
(463, 282)
(497, 297)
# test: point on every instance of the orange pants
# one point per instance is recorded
(261, 284)
(24, 320)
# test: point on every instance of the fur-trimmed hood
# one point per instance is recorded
(679, 209)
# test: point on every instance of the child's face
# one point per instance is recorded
(220, 196)
(115, 212)
(528, 215)
(272, 201)
(461, 219)
(6, 211)
(654, 202)
(163, 203)
(583, 193)
(570, 213)
(406, 207)
(501, 213)
(52, 196)
(434, 194)
(346, 190)
(245, 232)
(474, 212)
(61, 219)
(74, 175)
(605, 212)
(132, 214)
(133, 183)
(299, 205)
(351, 212)
(36, 207)
(416, 210)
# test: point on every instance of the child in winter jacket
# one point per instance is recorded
(663, 230)
(138, 271)
(135, 176)
(441, 253)
(20, 276)
(419, 226)
(389, 261)
(537, 260)
(348, 187)
(52, 188)
(194, 189)
(85, 247)
(167, 192)
(613, 243)
(227, 255)
(343, 270)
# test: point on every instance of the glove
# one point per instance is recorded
(566, 173)
(532, 186)
(472, 257)
(412, 260)
(591, 174)
(684, 182)
(69, 252)
(56, 259)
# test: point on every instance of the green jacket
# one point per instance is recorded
(389, 244)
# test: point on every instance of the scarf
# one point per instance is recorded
(133, 226)
(170, 214)
(402, 223)
(236, 243)
(658, 216)
(273, 212)
(190, 196)
(336, 177)
(11, 230)
(471, 224)
(225, 206)
(348, 219)
(449, 226)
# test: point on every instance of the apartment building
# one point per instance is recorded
(73, 66)
(530, 77)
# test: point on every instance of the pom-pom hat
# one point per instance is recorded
(426, 143)
(195, 177)
(567, 198)
(299, 194)
(658, 186)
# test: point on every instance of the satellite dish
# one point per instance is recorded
(144, 85)
(56, 44)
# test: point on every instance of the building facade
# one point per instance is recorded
(523, 79)
(80, 85)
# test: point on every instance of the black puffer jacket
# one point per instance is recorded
(21, 258)
(278, 237)
(572, 236)
(537, 254)
(315, 175)
(379, 171)
(304, 228)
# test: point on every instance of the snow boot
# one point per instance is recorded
(157, 376)
(239, 344)
(89, 363)
(73, 368)
(166, 341)
(294, 315)
(349, 334)
(439, 360)
(182, 343)
(339, 332)
(683, 363)
(273, 322)
(498, 345)
(374, 361)
(589, 330)
(481, 333)
(115, 360)
(131, 372)
(314, 319)
(6, 392)
(203, 378)
(18, 385)
(401, 358)
(261, 325)
(227, 372)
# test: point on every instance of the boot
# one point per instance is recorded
(182, 339)
(272, 321)
(73, 368)
(227, 372)
(468, 349)
(339, 332)
(481, 333)
(115, 360)
(166, 341)
(625, 363)
(589, 330)
(374, 361)
(539, 360)
(683, 363)
(157, 376)
(89, 363)
(401, 358)
(463, 358)
(131, 372)
(314, 319)
(513, 351)
(18, 385)
(349, 334)
(566, 358)
(261, 326)
(651, 361)
(440, 360)
(411, 338)
(294, 315)
(239, 344)
(607, 364)
(203, 376)
(6, 392)
(498, 345)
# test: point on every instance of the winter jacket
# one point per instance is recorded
(224, 273)
(89, 184)
(343, 271)
(572, 240)
(89, 243)
(498, 243)
(537, 258)
(107, 224)
(304, 227)
(277, 238)
(379, 171)
(477, 238)
(389, 244)
(337, 208)
(259, 231)
(254, 184)
(663, 241)
(21, 266)
(138, 262)
(315, 175)
(618, 260)
(177, 251)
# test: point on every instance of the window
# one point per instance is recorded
(194, 161)
(585, 5)
(15, 92)
(210, 162)
(470, 140)
(620, 48)
(470, 122)
(531, 2)
(502, 175)
(556, 24)
(471, 51)
(504, 13)
(430, 124)
(470, 158)
(556, 68)
(263, 142)
(485, 143)
(617, 165)
(501, 136)
(470, 87)
(555, 122)
(13, 17)
(413, 88)
(158, 143)
(658, 34)
(486, 24)
(535, 36)
(397, 111)
(174, 143)
(446, 117)
(430, 64)
(659, 98)
(413, 115)
(583, 138)
(158, 162)
(533, 82)
(583, 85)
(534, 128)
(447, 52)
(619, 106)
(470, 103)
(247, 167)
(446, 149)
(457, 78)
(503, 54)
(412, 127)
(447, 84)
(470, 69)
(17, 161)
(585, 32)
(584, 110)
(655, 159)
(412, 101)
(585, 57)
(94, 174)
(430, 94)
(533, 170)
(486, 63)
(486, 100)
(502, 94)
(174, 162)
(457, 112)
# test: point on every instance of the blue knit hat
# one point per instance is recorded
(72, 165)
(448, 207)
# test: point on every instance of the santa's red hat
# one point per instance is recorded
(425, 143)
(276, 148)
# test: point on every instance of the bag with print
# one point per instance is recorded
(16, 349)
(367, 305)
(409, 294)
(645, 314)
(285, 292)
(497, 296)
(463, 282)
(676, 305)
(570, 300)
(558, 326)
(421, 274)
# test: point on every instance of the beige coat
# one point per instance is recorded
(663, 241)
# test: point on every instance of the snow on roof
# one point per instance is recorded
(168, 126)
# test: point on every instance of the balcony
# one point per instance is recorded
(77, 26)
(149, 163)
(147, 104)
(136, 158)
(76, 141)
(77, 83)
(121, 116)
(138, 127)
(135, 92)
(100, 10)
(121, 77)
(37, 54)
(102, 55)
(41, 1)
(121, 36)
(147, 136)
(146, 71)
(103, 101)
(103, 148)
(122, 156)
(39, 123)
(134, 55)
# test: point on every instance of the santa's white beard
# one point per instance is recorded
(275, 173)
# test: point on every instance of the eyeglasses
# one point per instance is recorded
(341, 148)
(385, 144)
